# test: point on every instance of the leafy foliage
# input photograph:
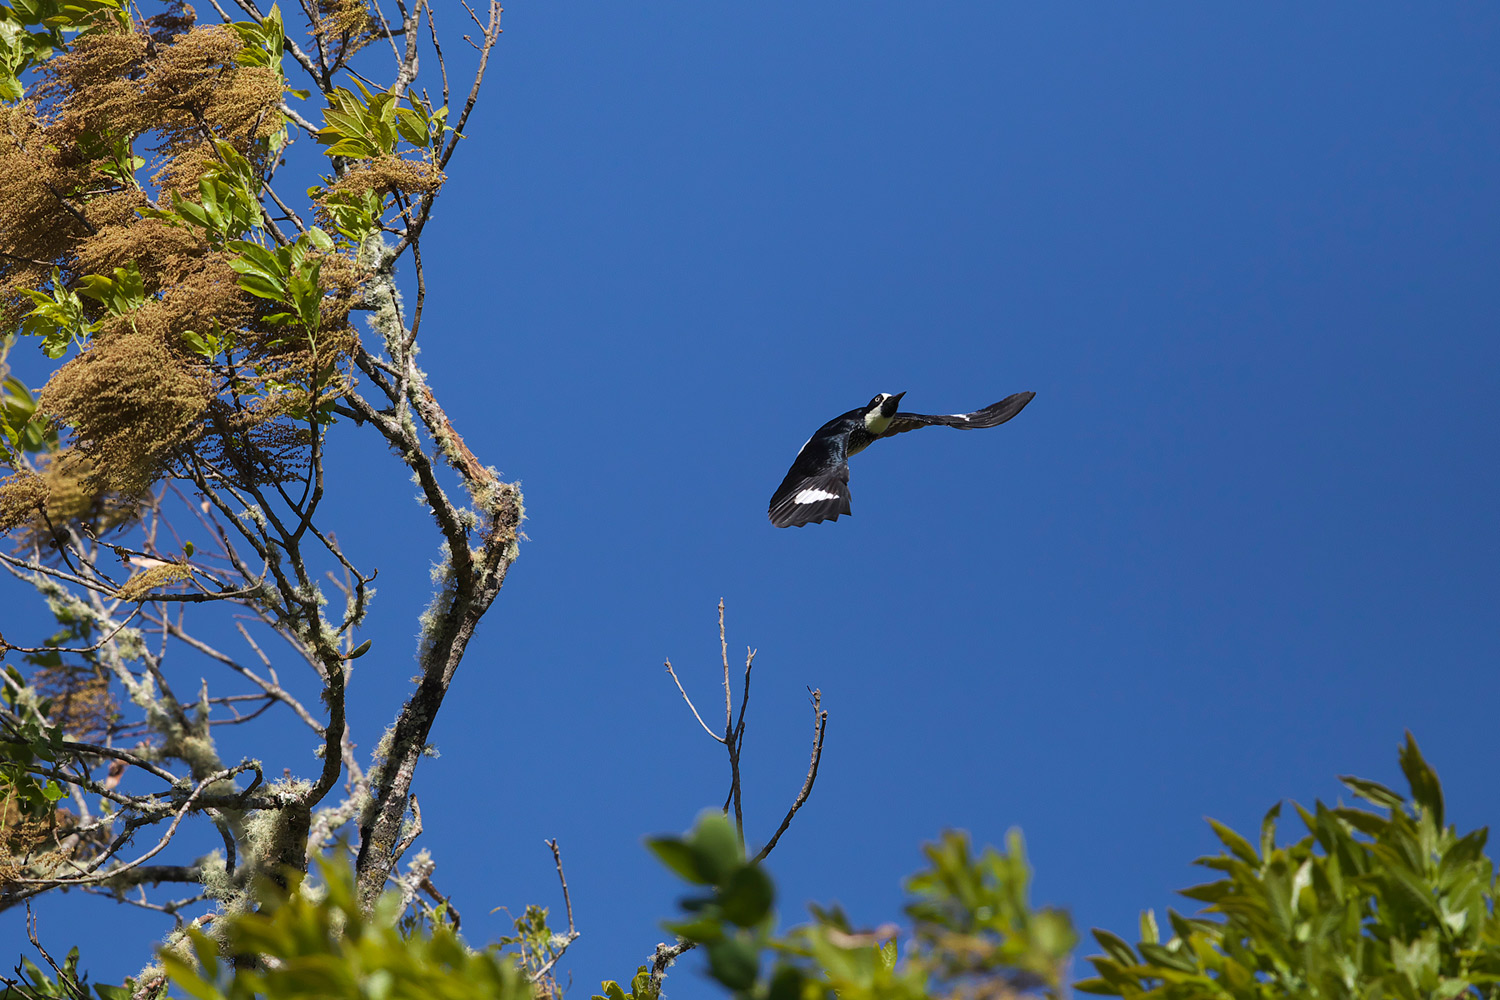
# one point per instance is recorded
(70, 984)
(229, 199)
(119, 294)
(31, 30)
(368, 125)
(973, 930)
(971, 915)
(324, 945)
(23, 427)
(733, 922)
(59, 318)
(286, 275)
(25, 743)
(1378, 903)
(640, 988)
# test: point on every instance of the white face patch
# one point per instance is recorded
(811, 495)
(875, 420)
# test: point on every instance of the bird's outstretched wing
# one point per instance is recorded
(991, 416)
(816, 487)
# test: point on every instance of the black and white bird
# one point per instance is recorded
(816, 488)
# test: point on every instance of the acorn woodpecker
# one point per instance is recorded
(816, 488)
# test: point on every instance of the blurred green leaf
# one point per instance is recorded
(733, 962)
(746, 896)
(715, 846)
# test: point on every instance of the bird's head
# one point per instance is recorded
(880, 411)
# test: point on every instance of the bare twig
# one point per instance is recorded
(73, 649)
(24, 260)
(270, 688)
(567, 900)
(290, 215)
(820, 726)
(690, 704)
(724, 654)
(67, 982)
(566, 939)
(75, 213)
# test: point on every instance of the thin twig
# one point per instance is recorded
(70, 649)
(64, 980)
(820, 726)
(567, 900)
(270, 688)
(724, 654)
(690, 704)
(24, 260)
(568, 938)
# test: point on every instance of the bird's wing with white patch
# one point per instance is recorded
(808, 499)
(991, 416)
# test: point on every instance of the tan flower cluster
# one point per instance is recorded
(137, 399)
(148, 580)
(81, 700)
(20, 838)
(388, 174)
(35, 229)
(131, 400)
(346, 23)
(73, 494)
(118, 83)
(21, 497)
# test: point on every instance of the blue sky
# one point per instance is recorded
(1244, 536)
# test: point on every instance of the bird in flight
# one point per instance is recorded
(816, 488)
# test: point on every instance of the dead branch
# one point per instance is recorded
(820, 726)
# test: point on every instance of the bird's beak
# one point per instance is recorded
(892, 403)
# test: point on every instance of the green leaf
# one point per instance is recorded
(1236, 844)
(186, 976)
(787, 983)
(1268, 830)
(262, 287)
(1115, 946)
(734, 963)
(1372, 791)
(359, 149)
(747, 896)
(1162, 955)
(1425, 789)
(715, 846)
(197, 343)
(205, 949)
(412, 128)
(678, 856)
